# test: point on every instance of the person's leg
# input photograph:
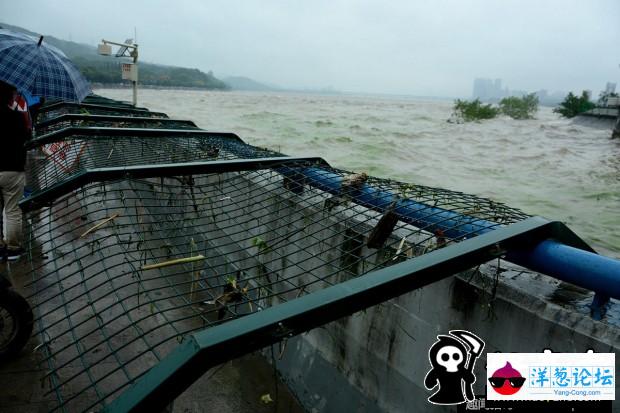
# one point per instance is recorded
(2, 242)
(12, 184)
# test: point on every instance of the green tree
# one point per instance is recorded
(524, 107)
(573, 105)
(474, 110)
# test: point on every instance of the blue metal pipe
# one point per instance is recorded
(423, 216)
(586, 269)
(579, 267)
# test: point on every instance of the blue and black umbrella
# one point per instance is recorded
(39, 69)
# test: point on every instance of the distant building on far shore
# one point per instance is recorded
(491, 90)
(488, 89)
(610, 88)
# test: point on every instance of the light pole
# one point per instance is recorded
(129, 71)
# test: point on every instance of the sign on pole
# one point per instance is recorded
(129, 71)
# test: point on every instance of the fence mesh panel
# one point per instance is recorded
(61, 108)
(123, 269)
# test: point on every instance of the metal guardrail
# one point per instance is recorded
(75, 120)
(573, 261)
(234, 247)
(57, 108)
(87, 176)
(206, 349)
(108, 132)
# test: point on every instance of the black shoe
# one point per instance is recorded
(14, 254)
(3, 253)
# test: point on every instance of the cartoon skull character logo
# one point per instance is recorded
(452, 359)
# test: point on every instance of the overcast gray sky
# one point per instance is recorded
(397, 46)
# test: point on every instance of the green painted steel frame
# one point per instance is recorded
(213, 346)
(106, 132)
(86, 106)
(66, 117)
(46, 196)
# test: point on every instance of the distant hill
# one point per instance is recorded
(244, 83)
(106, 69)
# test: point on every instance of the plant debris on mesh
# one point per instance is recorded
(123, 269)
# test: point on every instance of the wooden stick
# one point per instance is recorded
(173, 262)
(400, 248)
(99, 225)
(192, 246)
(191, 288)
(244, 291)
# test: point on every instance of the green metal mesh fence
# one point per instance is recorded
(109, 121)
(122, 269)
(60, 108)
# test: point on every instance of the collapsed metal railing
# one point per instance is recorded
(154, 248)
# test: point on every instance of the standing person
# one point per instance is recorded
(13, 135)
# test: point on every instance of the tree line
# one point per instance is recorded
(109, 72)
(524, 107)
